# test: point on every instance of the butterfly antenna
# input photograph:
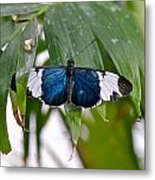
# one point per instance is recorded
(79, 52)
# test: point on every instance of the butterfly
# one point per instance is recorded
(83, 87)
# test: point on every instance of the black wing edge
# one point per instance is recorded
(125, 86)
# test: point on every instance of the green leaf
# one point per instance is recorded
(73, 121)
(8, 62)
(109, 144)
(41, 120)
(5, 146)
(25, 62)
(14, 58)
(117, 31)
(34, 106)
(29, 107)
(17, 9)
(7, 29)
(67, 33)
(137, 9)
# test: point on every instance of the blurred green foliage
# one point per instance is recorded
(118, 28)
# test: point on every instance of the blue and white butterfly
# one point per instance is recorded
(84, 87)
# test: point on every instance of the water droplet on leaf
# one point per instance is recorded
(109, 26)
(114, 40)
(113, 9)
(80, 17)
(129, 41)
(48, 21)
(127, 16)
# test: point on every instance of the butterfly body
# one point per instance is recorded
(84, 87)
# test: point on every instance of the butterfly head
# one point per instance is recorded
(70, 63)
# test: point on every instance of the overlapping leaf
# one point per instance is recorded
(17, 9)
(119, 35)
(67, 33)
(14, 59)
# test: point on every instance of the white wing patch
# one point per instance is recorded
(34, 82)
(109, 86)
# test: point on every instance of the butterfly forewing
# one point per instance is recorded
(86, 89)
(91, 87)
(113, 86)
(35, 82)
(48, 84)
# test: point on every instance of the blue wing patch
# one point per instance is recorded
(86, 89)
(48, 84)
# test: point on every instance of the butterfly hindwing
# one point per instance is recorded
(48, 84)
(91, 87)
